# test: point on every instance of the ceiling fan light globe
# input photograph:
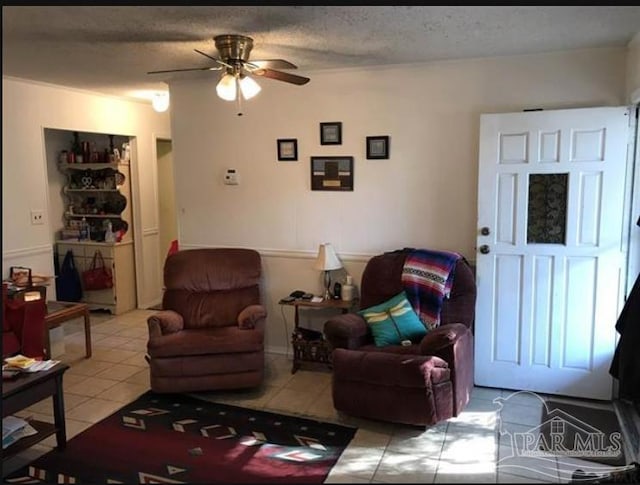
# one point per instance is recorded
(160, 102)
(226, 87)
(249, 87)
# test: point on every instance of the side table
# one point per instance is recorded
(306, 349)
(28, 389)
(61, 311)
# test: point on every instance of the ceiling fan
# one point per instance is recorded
(233, 58)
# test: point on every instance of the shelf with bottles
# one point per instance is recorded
(92, 165)
(84, 152)
(94, 228)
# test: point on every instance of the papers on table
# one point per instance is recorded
(14, 428)
(27, 364)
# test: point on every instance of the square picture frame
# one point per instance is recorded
(332, 173)
(287, 149)
(378, 147)
(331, 133)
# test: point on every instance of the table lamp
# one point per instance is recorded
(326, 261)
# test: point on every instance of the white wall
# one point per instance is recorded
(27, 110)
(633, 69)
(423, 196)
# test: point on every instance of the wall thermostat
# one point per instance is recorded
(231, 177)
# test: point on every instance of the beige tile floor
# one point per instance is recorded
(465, 449)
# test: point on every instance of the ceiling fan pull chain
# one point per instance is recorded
(239, 96)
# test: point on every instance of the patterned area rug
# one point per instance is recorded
(162, 438)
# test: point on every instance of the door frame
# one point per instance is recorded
(155, 231)
(633, 188)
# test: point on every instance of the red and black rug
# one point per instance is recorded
(162, 438)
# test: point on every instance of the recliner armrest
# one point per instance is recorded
(164, 322)
(348, 331)
(249, 317)
(441, 337)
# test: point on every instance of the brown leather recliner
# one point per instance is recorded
(210, 333)
(421, 384)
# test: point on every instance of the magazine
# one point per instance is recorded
(14, 428)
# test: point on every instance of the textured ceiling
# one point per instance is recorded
(109, 49)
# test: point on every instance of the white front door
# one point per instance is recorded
(551, 190)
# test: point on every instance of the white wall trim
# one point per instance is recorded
(154, 231)
(290, 254)
(34, 251)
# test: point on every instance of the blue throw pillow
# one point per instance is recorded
(393, 321)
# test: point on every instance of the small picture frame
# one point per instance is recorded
(287, 149)
(332, 173)
(331, 133)
(377, 147)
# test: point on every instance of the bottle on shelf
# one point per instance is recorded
(109, 235)
(76, 148)
(84, 229)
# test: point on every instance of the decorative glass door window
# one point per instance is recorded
(547, 208)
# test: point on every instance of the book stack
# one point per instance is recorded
(14, 428)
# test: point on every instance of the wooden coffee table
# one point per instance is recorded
(28, 389)
(61, 311)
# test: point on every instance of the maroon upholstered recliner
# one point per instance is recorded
(210, 333)
(420, 384)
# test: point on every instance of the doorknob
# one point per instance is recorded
(485, 231)
(484, 249)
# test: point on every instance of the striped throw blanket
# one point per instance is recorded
(427, 277)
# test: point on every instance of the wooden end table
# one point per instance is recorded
(27, 389)
(305, 350)
(62, 311)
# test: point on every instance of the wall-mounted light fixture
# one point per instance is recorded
(160, 102)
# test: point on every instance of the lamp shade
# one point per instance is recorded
(327, 258)
(249, 87)
(226, 87)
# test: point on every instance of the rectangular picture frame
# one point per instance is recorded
(287, 149)
(331, 133)
(378, 147)
(332, 173)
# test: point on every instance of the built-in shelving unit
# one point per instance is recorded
(98, 192)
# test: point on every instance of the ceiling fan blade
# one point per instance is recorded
(271, 64)
(188, 69)
(219, 61)
(281, 76)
